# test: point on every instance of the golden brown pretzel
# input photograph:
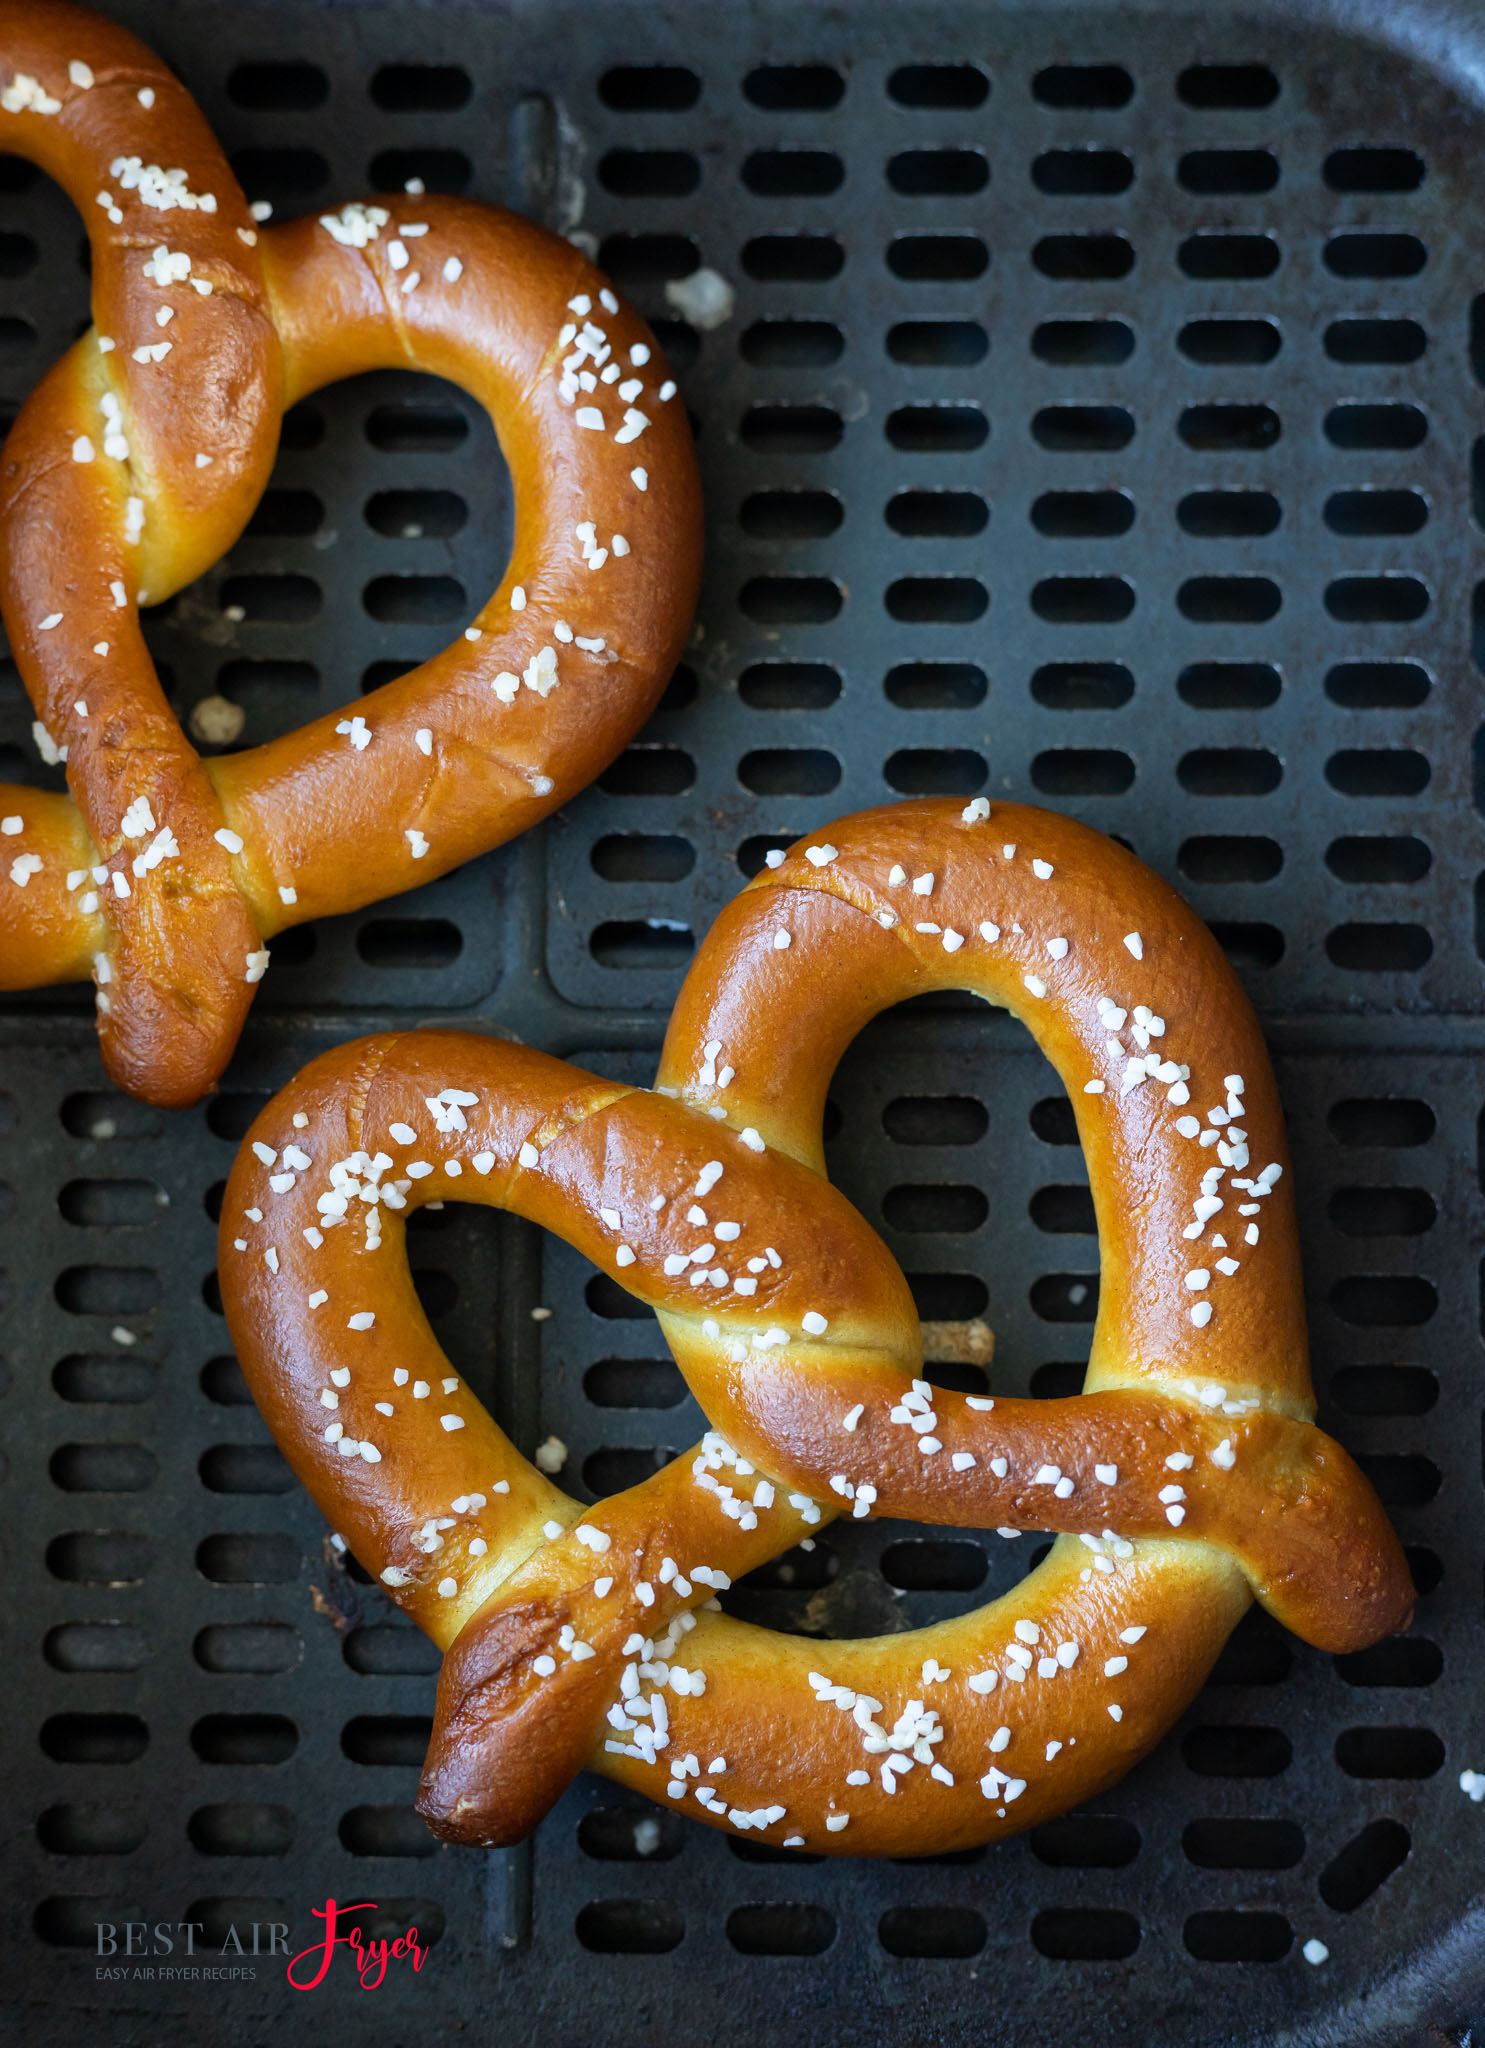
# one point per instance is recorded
(141, 455)
(1188, 1477)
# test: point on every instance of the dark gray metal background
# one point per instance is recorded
(207, 1718)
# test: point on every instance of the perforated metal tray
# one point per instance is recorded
(1095, 419)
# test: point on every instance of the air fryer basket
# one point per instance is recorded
(1090, 416)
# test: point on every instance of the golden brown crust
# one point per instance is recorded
(1188, 1479)
(332, 823)
(108, 441)
(137, 462)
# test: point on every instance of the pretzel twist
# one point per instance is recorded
(1187, 1479)
(139, 458)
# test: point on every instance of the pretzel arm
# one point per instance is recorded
(492, 758)
(995, 1746)
(1284, 1500)
(43, 840)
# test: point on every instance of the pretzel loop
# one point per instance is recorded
(1187, 1479)
(137, 462)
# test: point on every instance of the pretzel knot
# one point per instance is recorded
(1186, 1479)
(138, 460)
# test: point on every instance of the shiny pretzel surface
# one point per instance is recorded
(140, 457)
(1186, 1480)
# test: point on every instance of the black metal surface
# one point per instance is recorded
(208, 1717)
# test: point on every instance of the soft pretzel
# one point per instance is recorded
(1187, 1479)
(141, 455)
